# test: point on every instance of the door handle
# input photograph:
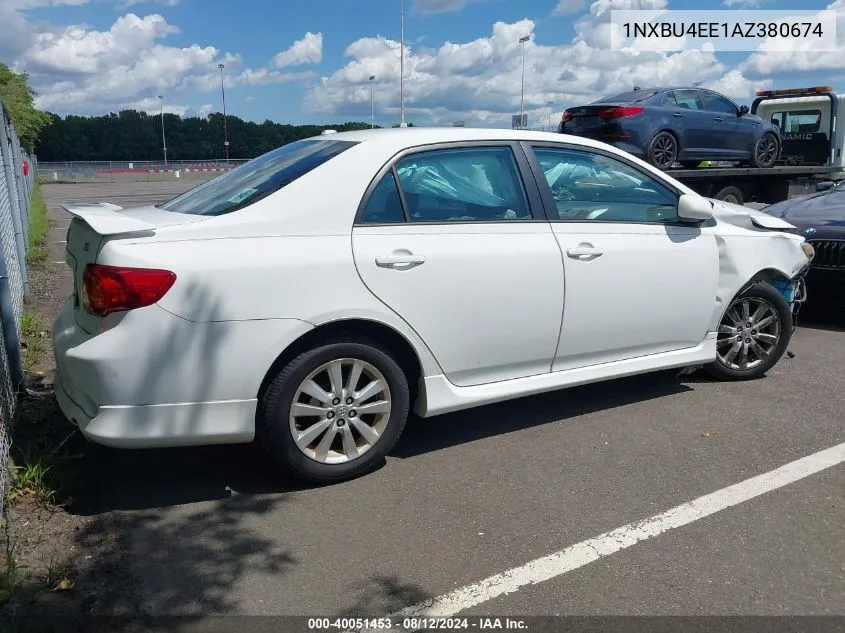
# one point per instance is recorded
(392, 261)
(584, 251)
(678, 115)
(718, 118)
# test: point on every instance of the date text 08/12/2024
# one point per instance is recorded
(416, 624)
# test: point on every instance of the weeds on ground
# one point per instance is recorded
(33, 340)
(39, 224)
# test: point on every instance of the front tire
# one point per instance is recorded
(765, 151)
(334, 412)
(753, 334)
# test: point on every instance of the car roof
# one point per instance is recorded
(400, 138)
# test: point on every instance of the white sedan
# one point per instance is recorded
(315, 295)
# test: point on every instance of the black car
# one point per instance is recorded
(821, 219)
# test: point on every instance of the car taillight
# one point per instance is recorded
(566, 118)
(116, 289)
(620, 112)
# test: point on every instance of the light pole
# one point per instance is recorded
(402, 64)
(225, 130)
(163, 142)
(372, 104)
(550, 103)
(522, 41)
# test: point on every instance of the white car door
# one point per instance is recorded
(455, 250)
(639, 281)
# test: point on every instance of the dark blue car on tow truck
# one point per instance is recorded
(665, 126)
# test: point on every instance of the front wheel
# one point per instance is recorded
(765, 151)
(335, 411)
(753, 334)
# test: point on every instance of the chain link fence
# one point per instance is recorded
(17, 178)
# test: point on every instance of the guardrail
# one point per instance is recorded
(80, 171)
(17, 178)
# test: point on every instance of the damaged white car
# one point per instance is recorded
(315, 295)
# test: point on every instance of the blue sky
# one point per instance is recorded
(301, 61)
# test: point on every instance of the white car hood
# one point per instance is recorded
(747, 217)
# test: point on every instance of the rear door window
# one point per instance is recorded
(463, 185)
(256, 179)
(688, 99)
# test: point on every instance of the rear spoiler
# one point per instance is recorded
(105, 218)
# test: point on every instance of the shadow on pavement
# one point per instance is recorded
(432, 434)
(383, 595)
(821, 317)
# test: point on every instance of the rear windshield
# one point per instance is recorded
(256, 179)
(628, 97)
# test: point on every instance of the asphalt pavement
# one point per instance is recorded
(469, 495)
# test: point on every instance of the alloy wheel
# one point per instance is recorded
(340, 411)
(748, 334)
(766, 150)
(665, 150)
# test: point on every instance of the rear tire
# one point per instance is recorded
(343, 443)
(753, 334)
(663, 150)
(730, 194)
(766, 151)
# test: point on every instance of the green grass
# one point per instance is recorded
(34, 477)
(38, 227)
(33, 340)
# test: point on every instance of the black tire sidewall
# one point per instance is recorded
(772, 295)
(650, 150)
(733, 190)
(273, 418)
(757, 144)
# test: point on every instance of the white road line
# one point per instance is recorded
(586, 552)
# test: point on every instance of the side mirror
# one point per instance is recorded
(692, 208)
(824, 186)
(743, 110)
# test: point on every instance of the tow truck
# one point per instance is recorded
(811, 157)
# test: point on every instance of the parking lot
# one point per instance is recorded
(467, 496)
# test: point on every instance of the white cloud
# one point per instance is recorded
(204, 110)
(746, 4)
(568, 7)
(125, 4)
(440, 6)
(83, 70)
(480, 80)
(263, 76)
(769, 62)
(17, 30)
(75, 49)
(152, 105)
(308, 50)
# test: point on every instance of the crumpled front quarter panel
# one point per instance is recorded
(744, 254)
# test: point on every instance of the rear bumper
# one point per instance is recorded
(151, 426)
(151, 379)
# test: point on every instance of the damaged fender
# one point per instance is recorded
(754, 246)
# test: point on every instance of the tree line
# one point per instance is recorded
(133, 135)
(130, 135)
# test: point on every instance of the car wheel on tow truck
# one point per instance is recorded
(662, 152)
(753, 334)
(335, 411)
(766, 151)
